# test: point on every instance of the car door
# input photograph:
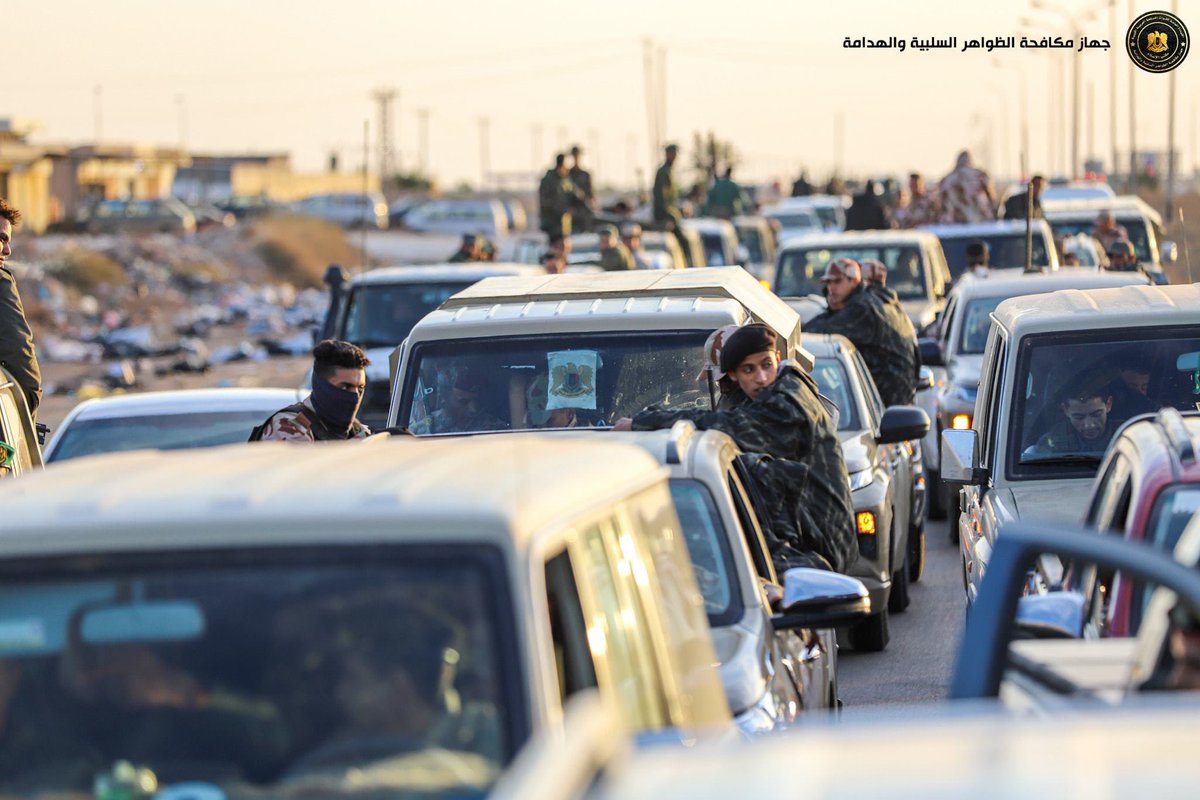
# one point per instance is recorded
(896, 460)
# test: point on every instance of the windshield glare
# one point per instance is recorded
(559, 381)
(1006, 250)
(708, 547)
(976, 322)
(1075, 391)
(381, 315)
(158, 431)
(1136, 228)
(800, 271)
(833, 382)
(293, 677)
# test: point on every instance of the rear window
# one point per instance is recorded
(1004, 250)
(800, 271)
(159, 432)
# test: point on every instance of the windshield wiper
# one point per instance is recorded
(1065, 458)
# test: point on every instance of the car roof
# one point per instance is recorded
(1176, 435)
(813, 201)
(678, 447)
(1125, 206)
(1014, 282)
(1127, 306)
(857, 239)
(710, 225)
(468, 272)
(988, 228)
(184, 401)
(501, 489)
(827, 345)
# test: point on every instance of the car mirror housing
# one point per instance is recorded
(960, 458)
(817, 598)
(931, 352)
(1057, 615)
(925, 379)
(902, 424)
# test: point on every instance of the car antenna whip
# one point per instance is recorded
(1187, 259)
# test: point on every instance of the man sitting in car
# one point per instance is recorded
(1087, 425)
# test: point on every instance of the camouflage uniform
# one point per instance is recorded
(581, 199)
(300, 423)
(554, 195)
(901, 322)
(808, 505)
(16, 342)
(886, 347)
(967, 194)
(922, 209)
(617, 258)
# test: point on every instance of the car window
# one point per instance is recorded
(551, 381)
(988, 397)
(1137, 229)
(977, 319)
(568, 628)
(708, 545)
(800, 270)
(751, 526)
(1112, 494)
(834, 382)
(1074, 390)
(1004, 250)
(381, 315)
(751, 238)
(85, 437)
(258, 674)
(870, 392)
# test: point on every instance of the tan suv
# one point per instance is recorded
(20, 449)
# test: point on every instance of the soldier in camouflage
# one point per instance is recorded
(554, 200)
(774, 409)
(329, 413)
(614, 255)
(861, 317)
(667, 215)
(583, 198)
(874, 274)
(16, 338)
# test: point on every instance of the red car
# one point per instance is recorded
(1148, 488)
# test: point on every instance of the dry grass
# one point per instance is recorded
(298, 249)
(88, 270)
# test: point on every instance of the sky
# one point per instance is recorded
(772, 76)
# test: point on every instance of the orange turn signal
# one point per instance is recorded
(866, 522)
(961, 422)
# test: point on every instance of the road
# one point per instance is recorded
(917, 664)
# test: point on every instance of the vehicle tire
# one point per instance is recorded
(898, 600)
(916, 554)
(871, 635)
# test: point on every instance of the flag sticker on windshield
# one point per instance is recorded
(572, 379)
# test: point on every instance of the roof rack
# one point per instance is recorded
(1177, 433)
(681, 433)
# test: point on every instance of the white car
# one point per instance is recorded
(459, 216)
(170, 420)
(829, 208)
(348, 209)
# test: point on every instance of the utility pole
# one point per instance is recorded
(1091, 120)
(662, 94)
(367, 207)
(593, 137)
(650, 83)
(485, 154)
(1133, 165)
(423, 140)
(96, 127)
(182, 106)
(631, 154)
(1112, 84)
(1170, 198)
(838, 141)
(536, 157)
(384, 99)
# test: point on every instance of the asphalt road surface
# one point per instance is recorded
(916, 666)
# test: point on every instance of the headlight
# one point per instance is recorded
(965, 392)
(861, 479)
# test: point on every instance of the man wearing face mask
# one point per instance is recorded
(328, 413)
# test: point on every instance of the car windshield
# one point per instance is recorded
(1004, 250)
(381, 315)
(834, 383)
(828, 216)
(552, 381)
(708, 545)
(1135, 227)
(976, 322)
(796, 219)
(286, 673)
(85, 437)
(714, 249)
(1074, 391)
(752, 240)
(800, 271)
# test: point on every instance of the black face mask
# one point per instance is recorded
(336, 407)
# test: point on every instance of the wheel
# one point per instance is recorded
(871, 635)
(916, 554)
(898, 600)
(936, 496)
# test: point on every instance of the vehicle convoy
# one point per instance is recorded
(916, 267)
(885, 482)
(201, 620)
(771, 675)
(1051, 396)
(1141, 222)
(20, 446)
(957, 351)
(168, 420)
(719, 238)
(662, 249)
(376, 309)
(1005, 240)
(756, 246)
(528, 352)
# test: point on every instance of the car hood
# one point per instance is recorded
(858, 449)
(1063, 500)
(965, 369)
(741, 650)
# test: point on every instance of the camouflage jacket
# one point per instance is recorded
(809, 509)
(888, 347)
(16, 342)
(300, 423)
(617, 258)
(666, 196)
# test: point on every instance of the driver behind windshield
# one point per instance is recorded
(1085, 426)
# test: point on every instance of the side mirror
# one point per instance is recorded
(931, 352)
(960, 458)
(902, 424)
(925, 379)
(1168, 252)
(817, 598)
(1057, 615)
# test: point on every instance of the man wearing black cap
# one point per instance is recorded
(329, 412)
(614, 256)
(861, 317)
(583, 199)
(774, 408)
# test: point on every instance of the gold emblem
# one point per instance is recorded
(1156, 41)
(572, 380)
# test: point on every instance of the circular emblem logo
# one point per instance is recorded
(1158, 41)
